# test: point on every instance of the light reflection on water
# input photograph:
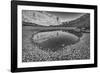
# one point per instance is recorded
(54, 39)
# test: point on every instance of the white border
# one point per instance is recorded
(53, 63)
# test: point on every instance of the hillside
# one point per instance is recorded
(83, 21)
(42, 18)
(37, 18)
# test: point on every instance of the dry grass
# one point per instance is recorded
(32, 53)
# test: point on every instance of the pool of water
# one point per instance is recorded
(54, 40)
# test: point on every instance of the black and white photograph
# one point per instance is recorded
(55, 36)
(50, 36)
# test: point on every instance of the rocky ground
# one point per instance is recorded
(31, 51)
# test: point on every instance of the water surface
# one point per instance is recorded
(54, 40)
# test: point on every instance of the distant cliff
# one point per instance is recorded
(39, 18)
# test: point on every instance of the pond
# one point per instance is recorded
(54, 40)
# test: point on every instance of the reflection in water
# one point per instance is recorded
(54, 40)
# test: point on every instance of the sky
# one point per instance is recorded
(67, 16)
